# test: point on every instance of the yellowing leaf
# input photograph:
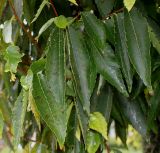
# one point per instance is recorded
(98, 123)
(129, 4)
(12, 57)
(73, 1)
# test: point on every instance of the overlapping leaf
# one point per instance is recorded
(138, 44)
(102, 53)
(122, 50)
(82, 72)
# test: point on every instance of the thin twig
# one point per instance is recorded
(27, 31)
(107, 148)
(54, 9)
(112, 13)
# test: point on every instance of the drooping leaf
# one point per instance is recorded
(43, 4)
(95, 29)
(55, 114)
(105, 6)
(134, 114)
(12, 57)
(45, 26)
(39, 148)
(138, 43)
(81, 69)
(98, 123)
(102, 54)
(55, 64)
(19, 112)
(154, 108)
(154, 32)
(93, 141)
(129, 4)
(122, 50)
(7, 31)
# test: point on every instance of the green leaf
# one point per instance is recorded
(55, 114)
(83, 74)
(98, 123)
(55, 64)
(102, 54)
(133, 113)
(43, 4)
(138, 43)
(102, 98)
(19, 112)
(122, 50)
(93, 141)
(105, 6)
(107, 65)
(154, 32)
(95, 29)
(154, 108)
(12, 57)
(129, 4)
(73, 1)
(45, 27)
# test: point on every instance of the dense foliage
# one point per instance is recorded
(68, 69)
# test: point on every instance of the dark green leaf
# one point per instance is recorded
(55, 64)
(122, 50)
(138, 43)
(83, 75)
(105, 6)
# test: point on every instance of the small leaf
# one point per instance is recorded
(12, 57)
(129, 4)
(45, 27)
(61, 22)
(98, 123)
(19, 112)
(73, 1)
(43, 4)
(138, 42)
(93, 141)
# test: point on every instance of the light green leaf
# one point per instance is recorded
(26, 81)
(19, 112)
(138, 42)
(55, 114)
(98, 123)
(81, 69)
(73, 1)
(93, 141)
(45, 27)
(43, 4)
(122, 50)
(12, 57)
(55, 64)
(61, 22)
(129, 4)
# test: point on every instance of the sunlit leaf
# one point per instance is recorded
(73, 1)
(98, 123)
(129, 4)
